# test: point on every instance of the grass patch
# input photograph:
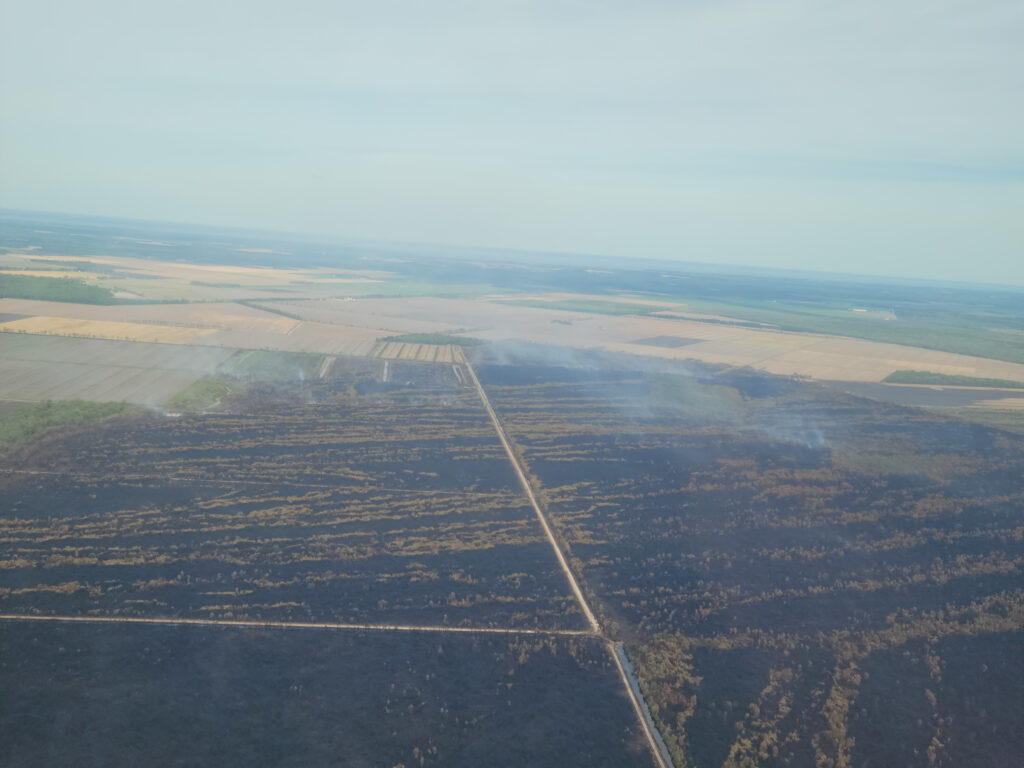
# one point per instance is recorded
(53, 289)
(243, 370)
(1011, 420)
(27, 423)
(936, 466)
(705, 402)
(436, 338)
(200, 395)
(927, 377)
(266, 365)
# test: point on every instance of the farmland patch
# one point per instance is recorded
(101, 329)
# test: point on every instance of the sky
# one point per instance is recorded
(880, 138)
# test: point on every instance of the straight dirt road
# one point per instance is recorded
(295, 625)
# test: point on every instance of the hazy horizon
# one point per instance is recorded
(457, 251)
(874, 140)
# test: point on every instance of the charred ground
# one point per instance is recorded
(294, 502)
(131, 695)
(801, 577)
(780, 557)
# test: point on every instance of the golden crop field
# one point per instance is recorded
(424, 353)
(102, 329)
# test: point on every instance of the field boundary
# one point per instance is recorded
(261, 624)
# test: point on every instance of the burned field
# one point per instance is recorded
(786, 563)
(800, 577)
(148, 695)
(299, 502)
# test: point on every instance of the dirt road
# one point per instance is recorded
(295, 625)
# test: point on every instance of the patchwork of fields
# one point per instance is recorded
(424, 353)
(360, 328)
(163, 279)
(673, 335)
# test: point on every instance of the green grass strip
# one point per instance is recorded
(27, 423)
(436, 338)
(927, 377)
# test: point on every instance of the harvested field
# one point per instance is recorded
(37, 368)
(22, 381)
(102, 329)
(219, 315)
(424, 353)
(393, 315)
(226, 324)
(317, 338)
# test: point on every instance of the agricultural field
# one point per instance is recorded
(231, 325)
(224, 316)
(37, 368)
(126, 277)
(302, 311)
(785, 563)
(100, 329)
(151, 695)
(633, 329)
(426, 353)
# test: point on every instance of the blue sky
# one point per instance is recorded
(882, 138)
